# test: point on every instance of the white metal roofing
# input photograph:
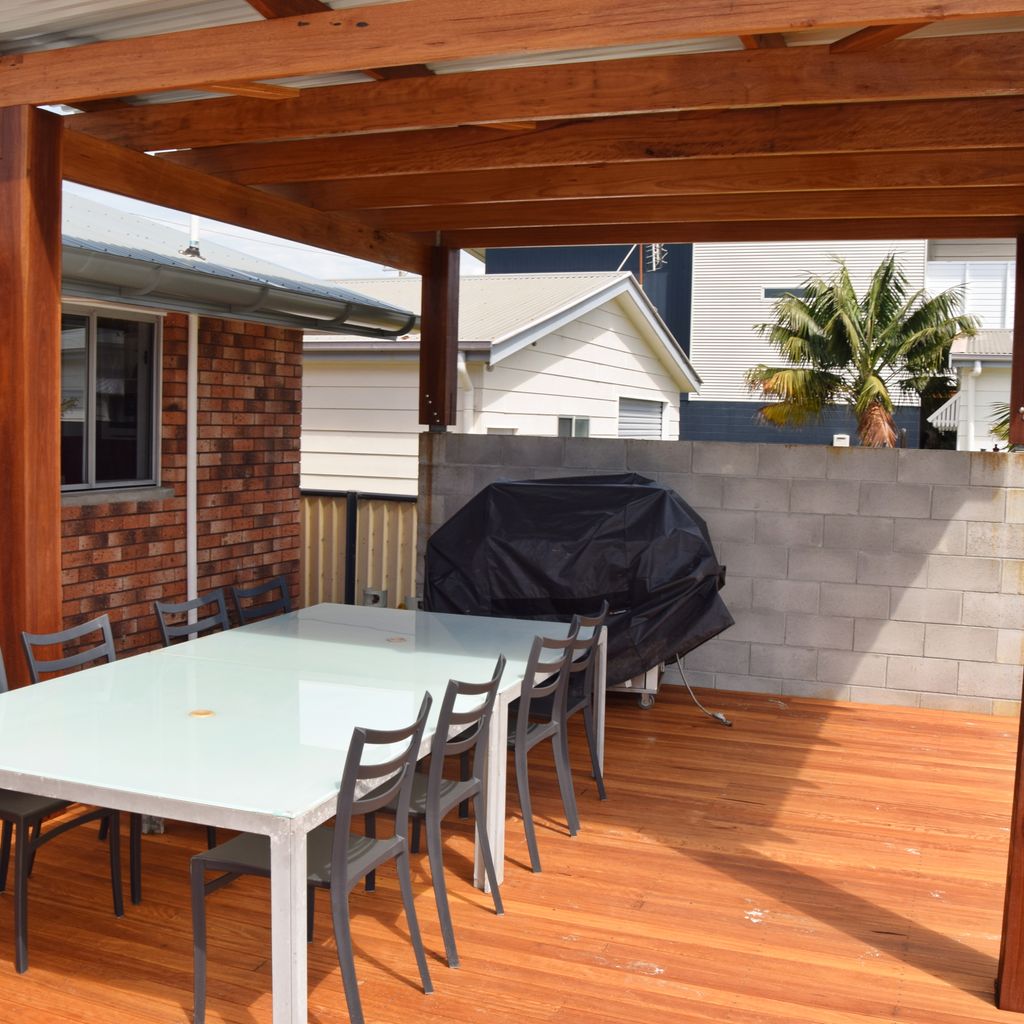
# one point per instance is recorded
(991, 344)
(113, 255)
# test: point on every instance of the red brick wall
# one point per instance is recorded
(118, 558)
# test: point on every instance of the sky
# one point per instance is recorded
(330, 266)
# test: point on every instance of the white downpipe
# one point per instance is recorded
(192, 463)
(466, 386)
(971, 404)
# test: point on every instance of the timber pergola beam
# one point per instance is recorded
(102, 165)
(731, 231)
(851, 128)
(697, 176)
(948, 68)
(425, 31)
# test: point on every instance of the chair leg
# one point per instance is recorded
(198, 943)
(588, 727)
(370, 830)
(5, 853)
(102, 837)
(434, 852)
(135, 857)
(480, 808)
(21, 852)
(464, 769)
(211, 837)
(414, 838)
(405, 883)
(523, 785)
(563, 769)
(343, 940)
(114, 838)
(37, 828)
(310, 911)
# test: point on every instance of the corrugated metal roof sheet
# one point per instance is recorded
(91, 227)
(496, 306)
(992, 343)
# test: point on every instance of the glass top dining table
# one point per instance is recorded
(249, 729)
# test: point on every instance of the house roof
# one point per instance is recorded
(114, 256)
(384, 129)
(499, 314)
(987, 345)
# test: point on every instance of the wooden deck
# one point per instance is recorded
(817, 863)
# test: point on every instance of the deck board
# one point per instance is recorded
(816, 864)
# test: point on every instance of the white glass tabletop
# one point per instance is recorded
(285, 695)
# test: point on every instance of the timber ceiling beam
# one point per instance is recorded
(949, 68)
(719, 176)
(424, 31)
(851, 128)
(863, 204)
(755, 231)
(288, 8)
(772, 41)
(874, 36)
(102, 165)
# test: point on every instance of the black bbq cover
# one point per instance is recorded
(548, 548)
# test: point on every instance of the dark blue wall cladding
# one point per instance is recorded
(670, 287)
(737, 421)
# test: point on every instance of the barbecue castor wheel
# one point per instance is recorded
(646, 700)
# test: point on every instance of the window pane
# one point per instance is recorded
(74, 373)
(581, 428)
(565, 426)
(124, 400)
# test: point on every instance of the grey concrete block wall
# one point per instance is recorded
(874, 576)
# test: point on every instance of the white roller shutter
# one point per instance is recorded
(640, 418)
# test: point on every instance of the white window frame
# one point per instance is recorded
(575, 423)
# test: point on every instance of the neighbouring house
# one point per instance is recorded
(580, 355)
(985, 269)
(180, 405)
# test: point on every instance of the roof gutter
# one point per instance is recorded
(105, 276)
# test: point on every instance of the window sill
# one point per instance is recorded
(72, 499)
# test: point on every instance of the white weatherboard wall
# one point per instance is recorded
(728, 299)
(580, 370)
(854, 574)
(360, 417)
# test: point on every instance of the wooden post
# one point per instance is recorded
(1017, 373)
(30, 238)
(439, 339)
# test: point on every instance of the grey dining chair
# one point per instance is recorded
(581, 685)
(23, 815)
(336, 859)
(211, 614)
(434, 795)
(536, 720)
(261, 601)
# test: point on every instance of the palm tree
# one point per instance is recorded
(844, 349)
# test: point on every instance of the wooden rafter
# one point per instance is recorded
(714, 176)
(864, 204)
(287, 8)
(995, 123)
(874, 36)
(985, 66)
(102, 165)
(256, 90)
(421, 31)
(718, 231)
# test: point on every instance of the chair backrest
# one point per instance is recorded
(461, 731)
(85, 654)
(211, 613)
(547, 675)
(588, 632)
(251, 604)
(363, 763)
